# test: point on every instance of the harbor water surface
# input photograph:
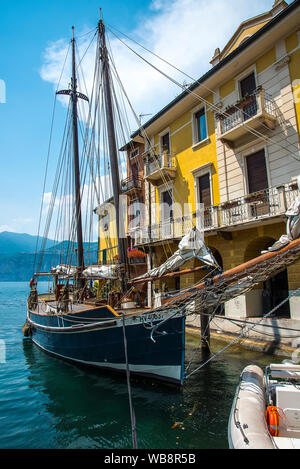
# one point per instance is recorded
(46, 403)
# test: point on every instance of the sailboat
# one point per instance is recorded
(111, 332)
(70, 321)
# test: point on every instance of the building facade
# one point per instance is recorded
(230, 142)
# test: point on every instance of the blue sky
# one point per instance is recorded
(178, 30)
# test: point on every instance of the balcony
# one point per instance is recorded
(251, 114)
(173, 228)
(131, 185)
(159, 167)
(231, 215)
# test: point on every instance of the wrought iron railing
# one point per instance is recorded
(257, 102)
(261, 205)
(159, 162)
(131, 183)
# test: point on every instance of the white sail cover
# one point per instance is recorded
(191, 246)
(64, 269)
(101, 271)
(292, 225)
(93, 271)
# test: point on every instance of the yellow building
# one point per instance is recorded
(108, 240)
(231, 134)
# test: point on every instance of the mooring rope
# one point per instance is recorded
(132, 413)
(242, 334)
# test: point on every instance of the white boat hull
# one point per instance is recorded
(247, 428)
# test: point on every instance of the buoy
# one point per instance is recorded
(272, 418)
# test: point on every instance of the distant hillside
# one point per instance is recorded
(13, 243)
(17, 255)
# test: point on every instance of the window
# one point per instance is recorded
(247, 88)
(257, 171)
(134, 213)
(247, 85)
(204, 190)
(165, 142)
(105, 221)
(134, 153)
(134, 171)
(258, 182)
(166, 213)
(200, 126)
(167, 203)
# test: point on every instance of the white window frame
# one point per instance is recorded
(243, 75)
(160, 136)
(198, 172)
(201, 171)
(161, 189)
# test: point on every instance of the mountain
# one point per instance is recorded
(13, 243)
(17, 255)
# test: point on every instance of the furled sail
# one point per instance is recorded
(63, 269)
(101, 271)
(190, 247)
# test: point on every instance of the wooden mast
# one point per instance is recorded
(74, 95)
(113, 154)
(74, 98)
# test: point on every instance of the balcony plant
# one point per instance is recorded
(247, 99)
(256, 197)
(232, 108)
(230, 204)
(136, 256)
(227, 111)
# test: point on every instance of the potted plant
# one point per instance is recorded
(247, 99)
(256, 197)
(136, 256)
(227, 111)
(230, 204)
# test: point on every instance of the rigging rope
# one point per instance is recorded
(210, 105)
(240, 336)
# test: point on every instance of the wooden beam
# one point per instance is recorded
(170, 275)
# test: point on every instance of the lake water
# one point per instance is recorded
(48, 403)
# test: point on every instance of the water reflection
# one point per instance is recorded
(90, 409)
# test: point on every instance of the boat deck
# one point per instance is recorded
(47, 305)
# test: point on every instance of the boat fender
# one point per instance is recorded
(32, 283)
(26, 330)
(272, 418)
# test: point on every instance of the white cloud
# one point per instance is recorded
(6, 228)
(184, 32)
(63, 210)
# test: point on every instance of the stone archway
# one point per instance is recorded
(273, 290)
